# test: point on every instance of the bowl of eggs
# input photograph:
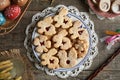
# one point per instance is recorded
(105, 8)
(11, 12)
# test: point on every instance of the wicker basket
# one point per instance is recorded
(15, 55)
(96, 10)
(10, 25)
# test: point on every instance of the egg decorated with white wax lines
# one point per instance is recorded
(2, 19)
(12, 12)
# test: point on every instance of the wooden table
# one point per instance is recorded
(16, 38)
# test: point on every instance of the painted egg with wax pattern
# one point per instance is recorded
(12, 12)
(2, 19)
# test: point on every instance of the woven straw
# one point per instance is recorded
(10, 25)
(15, 54)
(95, 9)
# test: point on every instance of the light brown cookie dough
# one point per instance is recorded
(67, 60)
(50, 60)
(42, 43)
(46, 27)
(59, 19)
(83, 34)
(58, 38)
(82, 47)
(74, 30)
(62, 41)
(77, 32)
(67, 22)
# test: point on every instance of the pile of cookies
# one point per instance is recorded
(10, 9)
(108, 5)
(7, 71)
(61, 41)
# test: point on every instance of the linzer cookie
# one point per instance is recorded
(46, 27)
(42, 44)
(81, 46)
(61, 42)
(50, 59)
(59, 18)
(77, 32)
(67, 60)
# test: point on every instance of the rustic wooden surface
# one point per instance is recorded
(16, 38)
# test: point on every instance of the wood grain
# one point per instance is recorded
(98, 70)
(16, 38)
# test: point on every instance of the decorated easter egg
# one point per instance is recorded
(20, 2)
(2, 19)
(116, 7)
(104, 5)
(12, 12)
(4, 4)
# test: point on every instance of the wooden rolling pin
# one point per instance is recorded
(94, 74)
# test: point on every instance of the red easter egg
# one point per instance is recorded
(12, 12)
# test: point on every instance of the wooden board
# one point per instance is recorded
(16, 38)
